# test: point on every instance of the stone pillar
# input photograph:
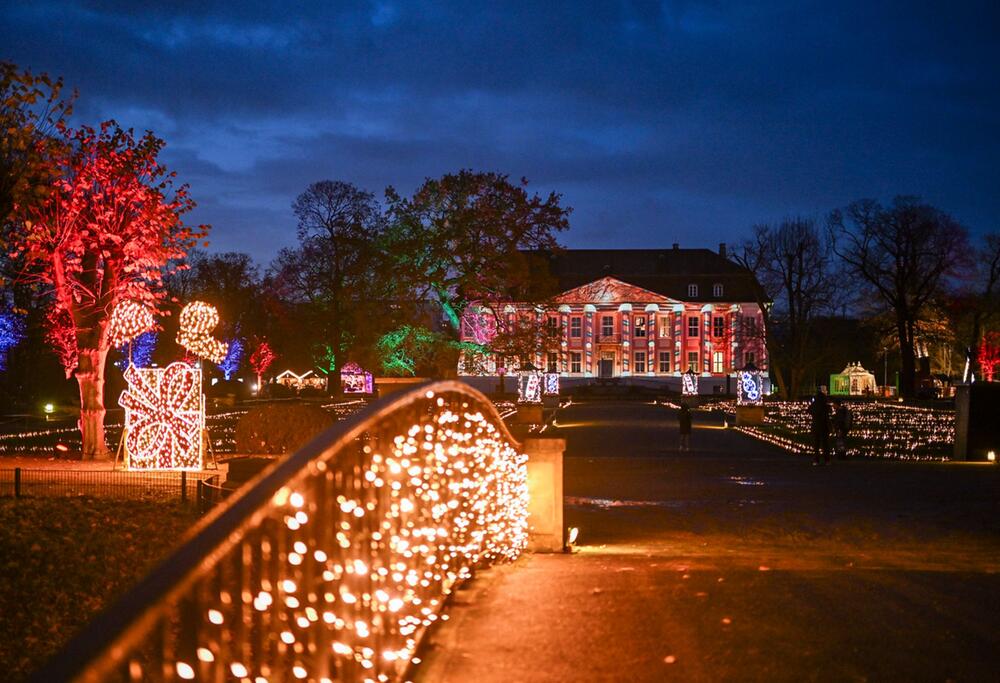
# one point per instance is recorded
(545, 494)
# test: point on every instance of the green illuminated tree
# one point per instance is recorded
(458, 239)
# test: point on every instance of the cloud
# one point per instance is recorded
(658, 122)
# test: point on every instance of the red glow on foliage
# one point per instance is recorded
(989, 355)
(262, 357)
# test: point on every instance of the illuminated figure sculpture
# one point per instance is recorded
(197, 320)
(551, 383)
(689, 383)
(749, 390)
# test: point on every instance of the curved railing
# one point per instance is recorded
(332, 563)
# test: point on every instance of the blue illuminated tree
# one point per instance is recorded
(234, 357)
(11, 334)
(139, 350)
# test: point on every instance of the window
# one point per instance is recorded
(719, 327)
(664, 325)
(717, 364)
(575, 326)
(693, 361)
(640, 361)
(607, 325)
(749, 358)
(574, 361)
(717, 289)
(552, 362)
(693, 326)
(750, 327)
(640, 326)
(692, 290)
(664, 361)
(553, 322)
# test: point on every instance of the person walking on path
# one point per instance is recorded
(842, 420)
(819, 409)
(684, 428)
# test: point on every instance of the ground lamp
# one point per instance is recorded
(689, 383)
(529, 384)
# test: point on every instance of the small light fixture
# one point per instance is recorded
(571, 538)
(992, 456)
(49, 408)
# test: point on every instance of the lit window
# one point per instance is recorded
(693, 326)
(575, 326)
(640, 326)
(574, 361)
(717, 364)
(664, 361)
(607, 325)
(718, 327)
(693, 361)
(717, 289)
(664, 325)
(692, 290)
(640, 361)
(552, 362)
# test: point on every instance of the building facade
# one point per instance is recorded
(634, 313)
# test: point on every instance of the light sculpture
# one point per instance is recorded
(551, 384)
(356, 380)
(197, 320)
(129, 319)
(689, 383)
(749, 389)
(529, 385)
(164, 417)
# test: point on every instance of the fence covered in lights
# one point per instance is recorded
(332, 565)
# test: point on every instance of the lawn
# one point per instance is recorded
(62, 560)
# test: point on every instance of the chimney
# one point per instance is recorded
(676, 246)
(722, 249)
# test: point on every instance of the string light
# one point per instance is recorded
(552, 384)
(355, 379)
(431, 502)
(128, 320)
(689, 384)
(164, 417)
(749, 391)
(879, 430)
(197, 320)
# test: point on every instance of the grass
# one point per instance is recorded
(62, 560)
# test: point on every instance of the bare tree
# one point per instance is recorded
(332, 276)
(793, 263)
(905, 254)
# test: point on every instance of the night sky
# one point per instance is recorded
(664, 122)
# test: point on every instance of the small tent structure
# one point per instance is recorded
(355, 380)
(853, 381)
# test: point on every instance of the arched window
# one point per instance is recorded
(717, 289)
(692, 290)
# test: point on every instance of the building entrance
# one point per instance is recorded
(607, 364)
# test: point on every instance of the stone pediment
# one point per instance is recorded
(609, 290)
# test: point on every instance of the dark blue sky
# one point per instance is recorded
(658, 122)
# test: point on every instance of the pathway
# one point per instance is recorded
(737, 561)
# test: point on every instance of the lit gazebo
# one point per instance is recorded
(853, 381)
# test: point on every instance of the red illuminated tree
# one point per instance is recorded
(260, 361)
(989, 355)
(108, 230)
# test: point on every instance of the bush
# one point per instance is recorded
(279, 428)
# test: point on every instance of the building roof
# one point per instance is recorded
(665, 271)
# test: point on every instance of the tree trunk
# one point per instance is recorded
(90, 377)
(908, 362)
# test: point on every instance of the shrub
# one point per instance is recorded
(279, 428)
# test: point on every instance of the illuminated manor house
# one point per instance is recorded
(644, 314)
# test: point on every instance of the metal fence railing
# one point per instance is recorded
(49, 483)
(331, 564)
